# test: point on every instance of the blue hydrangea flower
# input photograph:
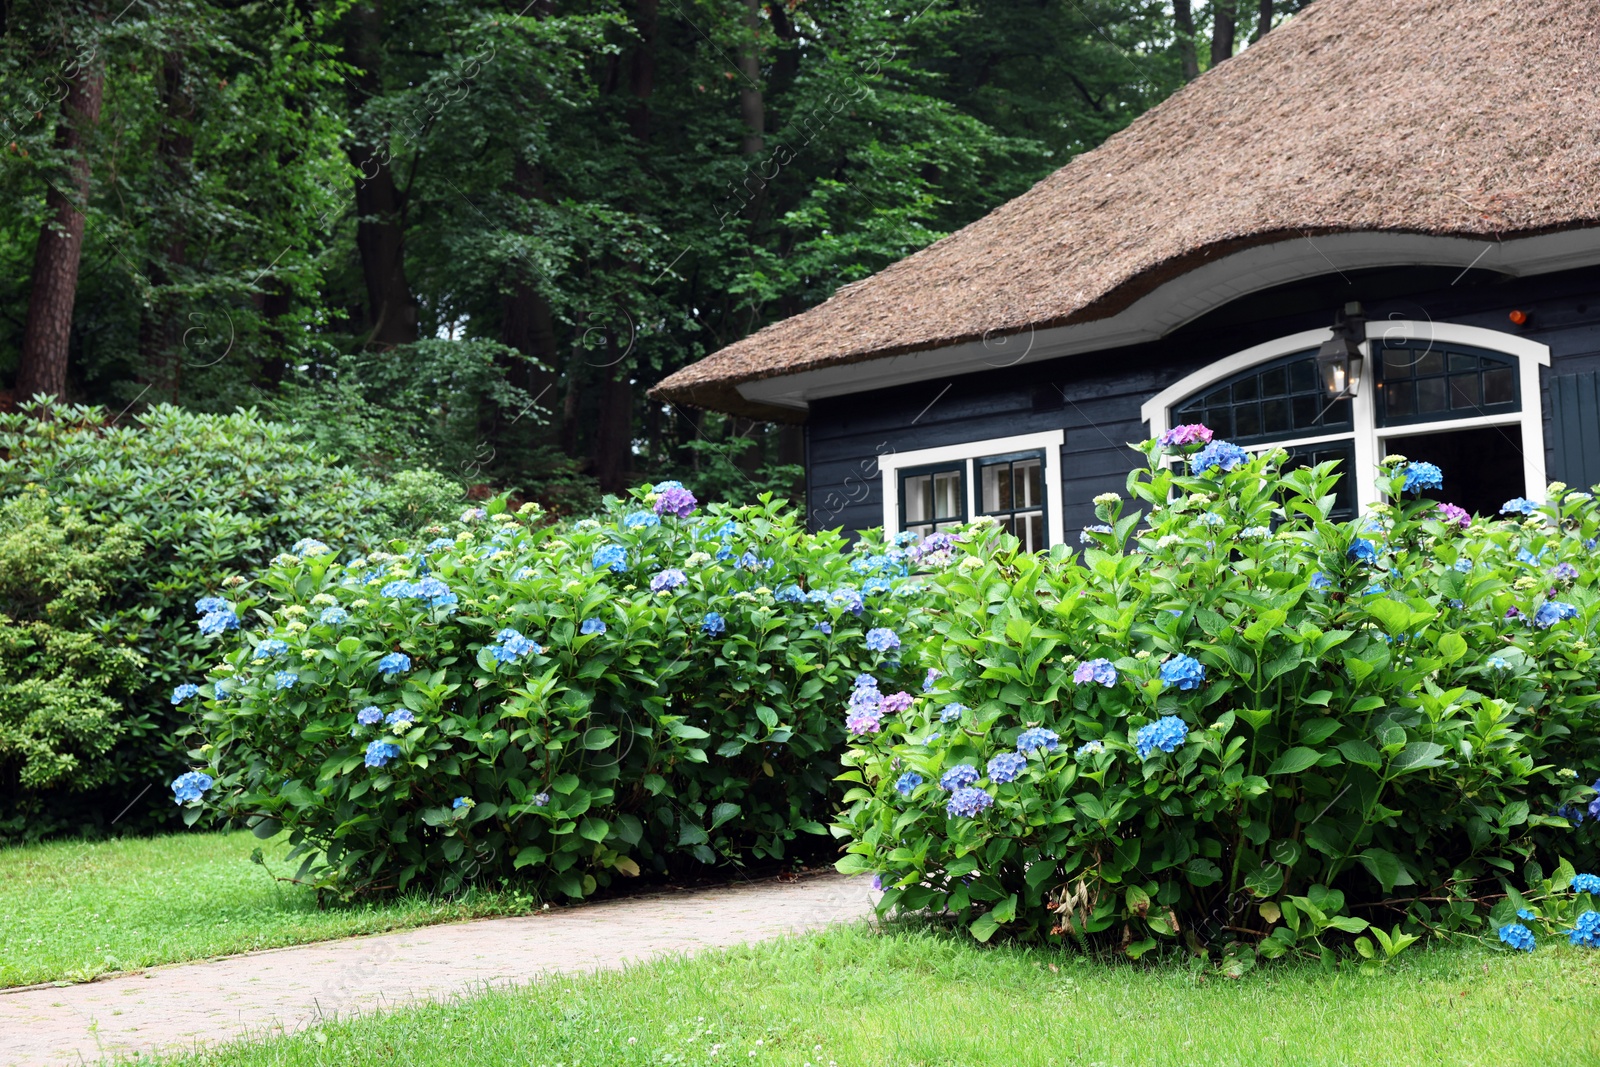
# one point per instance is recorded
(1006, 767)
(1320, 582)
(1586, 934)
(1586, 883)
(512, 644)
(933, 675)
(398, 588)
(1185, 672)
(1552, 612)
(394, 663)
(881, 639)
(1563, 572)
(1036, 738)
(817, 596)
(662, 487)
(1518, 505)
(1517, 936)
(961, 774)
(952, 712)
(968, 803)
(270, 648)
(334, 617)
(439, 544)
(789, 594)
(611, 557)
(713, 624)
(1167, 733)
(400, 717)
(1086, 535)
(864, 681)
(190, 786)
(635, 519)
(1526, 914)
(907, 783)
(595, 625)
(668, 580)
(1422, 476)
(285, 680)
(873, 586)
(1462, 565)
(725, 552)
(1096, 671)
(370, 715)
(461, 802)
(846, 599)
(208, 604)
(381, 752)
(1089, 748)
(1219, 454)
(1498, 663)
(541, 799)
(215, 622)
(219, 691)
(825, 627)
(309, 546)
(184, 692)
(1210, 518)
(1362, 551)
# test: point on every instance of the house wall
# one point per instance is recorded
(1095, 397)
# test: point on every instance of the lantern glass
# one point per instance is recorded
(1339, 363)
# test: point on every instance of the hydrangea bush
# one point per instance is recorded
(1232, 719)
(654, 686)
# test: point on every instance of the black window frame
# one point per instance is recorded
(1496, 360)
(1183, 412)
(961, 469)
(1043, 507)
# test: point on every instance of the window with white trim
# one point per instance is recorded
(1005, 478)
(1463, 397)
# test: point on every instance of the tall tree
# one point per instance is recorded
(1224, 29)
(1183, 21)
(47, 336)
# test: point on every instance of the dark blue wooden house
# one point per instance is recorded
(1376, 231)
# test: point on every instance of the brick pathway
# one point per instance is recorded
(183, 1005)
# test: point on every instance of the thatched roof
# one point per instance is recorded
(1467, 118)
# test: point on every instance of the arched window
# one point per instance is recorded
(1462, 397)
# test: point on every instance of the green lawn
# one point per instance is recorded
(908, 997)
(72, 910)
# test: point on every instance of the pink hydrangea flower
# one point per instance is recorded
(896, 702)
(1192, 433)
(1452, 514)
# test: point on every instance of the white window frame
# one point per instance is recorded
(1370, 438)
(969, 453)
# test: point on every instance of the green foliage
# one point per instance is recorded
(63, 674)
(1402, 727)
(118, 530)
(701, 725)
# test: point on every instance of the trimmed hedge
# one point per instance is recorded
(1233, 720)
(635, 692)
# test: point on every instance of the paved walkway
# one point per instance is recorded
(183, 1005)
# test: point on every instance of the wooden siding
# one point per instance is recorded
(1095, 397)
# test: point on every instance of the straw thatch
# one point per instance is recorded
(1445, 117)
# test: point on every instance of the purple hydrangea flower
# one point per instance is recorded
(962, 774)
(934, 674)
(1563, 572)
(1098, 671)
(675, 500)
(864, 719)
(667, 580)
(1188, 434)
(1453, 515)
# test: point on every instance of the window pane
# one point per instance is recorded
(1400, 399)
(947, 494)
(1396, 363)
(1303, 376)
(1460, 361)
(1026, 478)
(1464, 391)
(1244, 390)
(1275, 382)
(1275, 416)
(1430, 395)
(1430, 361)
(1031, 533)
(919, 498)
(1246, 421)
(1499, 387)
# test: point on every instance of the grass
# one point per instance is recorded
(853, 998)
(73, 910)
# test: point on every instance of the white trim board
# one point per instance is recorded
(1049, 441)
(1185, 299)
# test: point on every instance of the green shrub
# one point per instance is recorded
(201, 497)
(551, 707)
(63, 674)
(1241, 721)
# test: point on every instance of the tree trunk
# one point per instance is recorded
(391, 316)
(1263, 20)
(1183, 18)
(1224, 20)
(613, 438)
(751, 106)
(43, 364)
(161, 326)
